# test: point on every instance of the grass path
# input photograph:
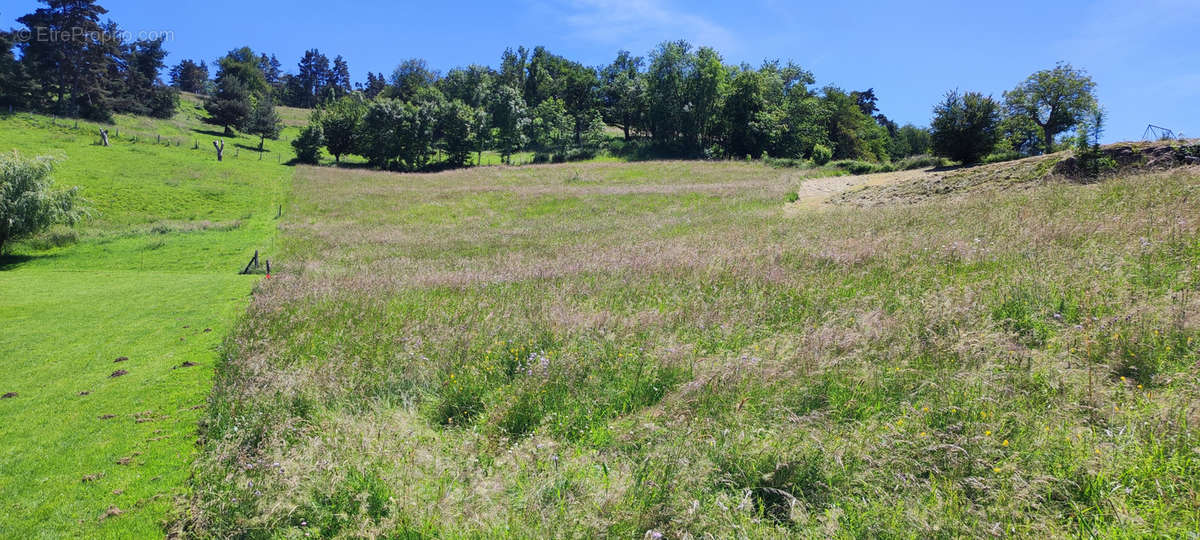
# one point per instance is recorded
(126, 444)
(150, 277)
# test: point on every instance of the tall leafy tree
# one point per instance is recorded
(666, 82)
(469, 85)
(188, 76)
(264, 121)
(965, 126)
(623, 92)
(230, 106)
(397, 134)
(376, 84)
(243, 65)
(312, 78)
(509, 117)
(455, 129)
(16, 88)
(550, 126)
(339, 77)
(706, 89)
(410, 77)
(1054, 99)
(68, 59)
(340, 122)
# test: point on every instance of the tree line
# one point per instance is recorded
(677, 101)
(72, 64)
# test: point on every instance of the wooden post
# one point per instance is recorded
(104, 136)
(252, 264)
(220, 146)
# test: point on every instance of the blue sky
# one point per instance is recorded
(1144, 55)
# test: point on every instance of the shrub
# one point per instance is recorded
(308, 144)
(821, 154)
(28, 204)
(854, 166)
(920, 162)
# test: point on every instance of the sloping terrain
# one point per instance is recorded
(631, 350)
(110, 329)
(907, 187)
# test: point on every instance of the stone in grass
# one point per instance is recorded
(118, 373)
(121, 359)
(9, 395)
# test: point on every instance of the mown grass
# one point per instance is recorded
(150, 278)
(659, 347)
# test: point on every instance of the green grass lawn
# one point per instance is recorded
(151, 276)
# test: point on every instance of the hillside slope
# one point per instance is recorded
(660, 348)
(110, 329)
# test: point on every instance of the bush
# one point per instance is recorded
(920, 162)
(854, 166)
(28, 205)
(308, 144)
(821, 154)
(965, 127)
(788, 163)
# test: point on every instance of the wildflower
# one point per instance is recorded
(923, 434)
(1005, 443)
(987, 433)
(924, 409)
(995, 469)
(1122, 379)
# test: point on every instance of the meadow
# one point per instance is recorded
(111, 328)
(672, 348)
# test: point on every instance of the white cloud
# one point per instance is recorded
(640, 24)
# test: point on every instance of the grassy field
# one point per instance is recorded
(150, 280)
(623, 350)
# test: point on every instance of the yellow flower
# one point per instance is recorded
(1139, 387)
(922, 433)
(987, 433)
(1122, 379)
(900, 422)
(924, 409)
(1005, 443)
(996, 469)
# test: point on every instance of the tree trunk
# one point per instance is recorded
(104, 136)
(1048, 140)
(220, 146)
(261, 141)
(626, 128)
(2, 241)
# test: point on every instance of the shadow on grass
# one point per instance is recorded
(210, 133)
(252, 148)
(12, 262)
